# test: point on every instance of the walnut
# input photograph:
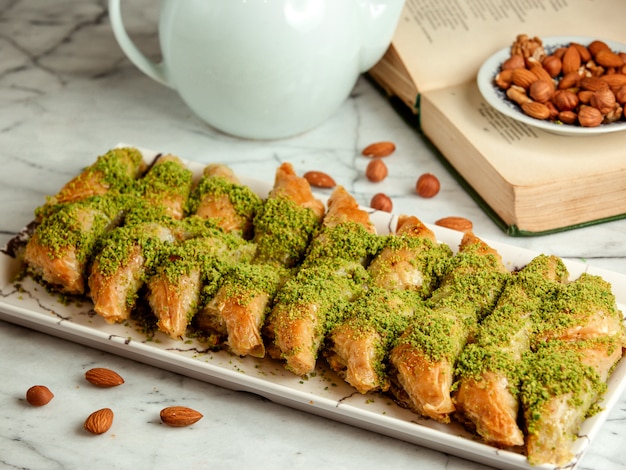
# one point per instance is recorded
(529, 48)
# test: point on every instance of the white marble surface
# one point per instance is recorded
(67, 94)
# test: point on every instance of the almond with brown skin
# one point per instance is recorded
(319, 179)
(39, 395)
(460, 224)
(99, 421)
(379, 149)
(609, 59)
(180, 416)
(102, 377)
(376, 171)
(536, 110)
(523, 78)
(571, 60)
(596, 46)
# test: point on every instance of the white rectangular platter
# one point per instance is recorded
(323, 393)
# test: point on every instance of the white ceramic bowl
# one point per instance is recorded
(498, 99)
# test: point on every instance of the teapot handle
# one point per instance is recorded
(150, 68)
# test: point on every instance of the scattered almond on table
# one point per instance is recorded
(102, 377)
(319, 179)
(180, 416)
(99, 421)
(379, 149)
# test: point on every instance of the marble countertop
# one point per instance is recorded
(67, 94)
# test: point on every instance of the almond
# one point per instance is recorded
(427, 185)
(381, 202)
(609, 59)
(568, 117)
(597, 46)
(585, 55)
(460, 224)
(379, 149)
(523, 78)
(99, 421)
(180, 416)
(593, 83)
(102, 377)
(536, 110)
(376, 171)
(571, 60)
(319, 179)
(615, 81)
(39, 395)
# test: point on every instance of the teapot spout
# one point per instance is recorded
(378, 19)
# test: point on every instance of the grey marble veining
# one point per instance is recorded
(67, 94)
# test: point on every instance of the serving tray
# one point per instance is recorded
(323, 393)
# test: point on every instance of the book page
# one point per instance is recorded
(444, 42)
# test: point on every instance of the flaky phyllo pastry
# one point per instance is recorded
(520, 358)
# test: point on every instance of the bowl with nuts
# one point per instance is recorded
(568, 85)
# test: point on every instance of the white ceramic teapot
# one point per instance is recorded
(264, 69)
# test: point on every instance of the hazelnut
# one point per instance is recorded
(39, 395)
(427, 185)
(588, 116)
(541, 90)
(603, 100)
(567, 117)
(376, 170)
(584, 96)
(565, 100)
(381, 202)
(553, 65)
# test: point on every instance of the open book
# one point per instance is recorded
(529, 180)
